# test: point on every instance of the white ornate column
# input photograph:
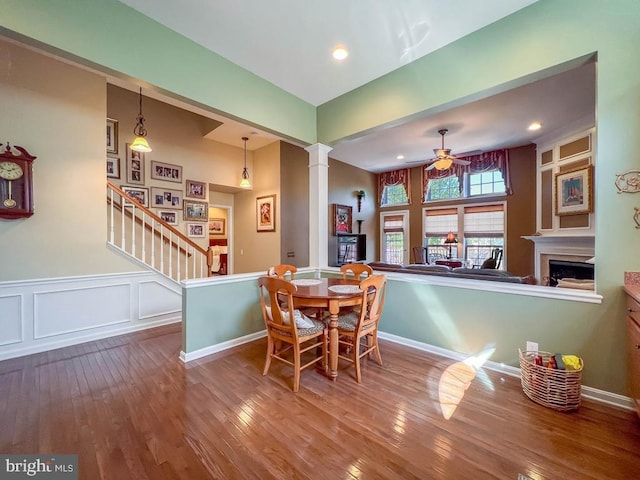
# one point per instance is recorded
(318, 205)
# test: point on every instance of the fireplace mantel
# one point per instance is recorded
(588, 241)
(560, 247)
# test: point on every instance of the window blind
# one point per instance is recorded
(484, 221)
(441, 221)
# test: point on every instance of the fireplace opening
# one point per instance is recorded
(564, 269)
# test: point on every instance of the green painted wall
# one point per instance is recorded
(217, 313)
(116, 39)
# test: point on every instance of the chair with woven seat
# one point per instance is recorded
(358, 331)
(356, 269)
(289, 330)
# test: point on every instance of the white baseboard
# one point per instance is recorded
(219, 347)
(591, 393)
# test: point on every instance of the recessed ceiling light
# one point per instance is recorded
(340, 53)
(400, 157)
(535, 126)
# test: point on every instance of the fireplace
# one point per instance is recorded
(560, 269)
(567, 248)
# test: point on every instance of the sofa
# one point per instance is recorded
(488, 274)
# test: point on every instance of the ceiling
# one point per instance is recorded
(289, 43)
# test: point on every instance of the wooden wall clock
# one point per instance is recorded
(16, 183)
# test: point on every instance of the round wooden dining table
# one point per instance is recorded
(330, 294)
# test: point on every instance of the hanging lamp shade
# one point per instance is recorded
(245, 183)
(140, 143)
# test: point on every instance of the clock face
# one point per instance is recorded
(10, 171)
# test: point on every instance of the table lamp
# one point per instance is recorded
(451, 239)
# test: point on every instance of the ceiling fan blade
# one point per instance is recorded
(468, 154)
(431, 167)
(459, 161)
(417, 161)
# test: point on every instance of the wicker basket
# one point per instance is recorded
(556, 389)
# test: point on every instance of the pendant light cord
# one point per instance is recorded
(139, 130)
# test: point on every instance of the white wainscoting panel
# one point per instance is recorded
(44, 314)
(11, 315)
(61, 311)
(156, 299)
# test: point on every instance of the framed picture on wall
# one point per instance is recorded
(113, 167)
(196, 211)
(216, 226)
(196, 230)
(196, 189)
(574, 191)
(112, 136)
(166, 198)
(166, 171)
(135, 166)
(141, 195)
(342, 216)
(169, 216)
(266, 213)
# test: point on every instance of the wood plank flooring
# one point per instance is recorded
(132, 410)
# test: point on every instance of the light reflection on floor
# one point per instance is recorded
(457, 377)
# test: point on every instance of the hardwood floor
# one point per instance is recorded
(132, 410)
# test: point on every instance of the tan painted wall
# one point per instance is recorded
(256, 251)
(176, 137)
(57, 113)
(294, 205)
(344, 181)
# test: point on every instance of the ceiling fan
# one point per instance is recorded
(444, 159)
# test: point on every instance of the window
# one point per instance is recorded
(438, 223)
(393, 238)
(394, 195)
(483, 232)
(443, 189)
(484, 174)
(478, 228)
(393, 187)
(486, 183)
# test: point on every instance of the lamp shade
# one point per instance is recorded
(451, 238)
(140, 144)
(443, 163)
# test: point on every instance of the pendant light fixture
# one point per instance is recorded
(245, 183)
(140, 143)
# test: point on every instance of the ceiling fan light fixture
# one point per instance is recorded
(443, 163)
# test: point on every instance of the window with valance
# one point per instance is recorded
(495, 161)
(393, 188)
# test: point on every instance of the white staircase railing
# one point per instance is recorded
(141, 234)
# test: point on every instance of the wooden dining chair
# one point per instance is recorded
(289, 330)
(283, 271)
(356, 269)
(358, 331)
(419, 255)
